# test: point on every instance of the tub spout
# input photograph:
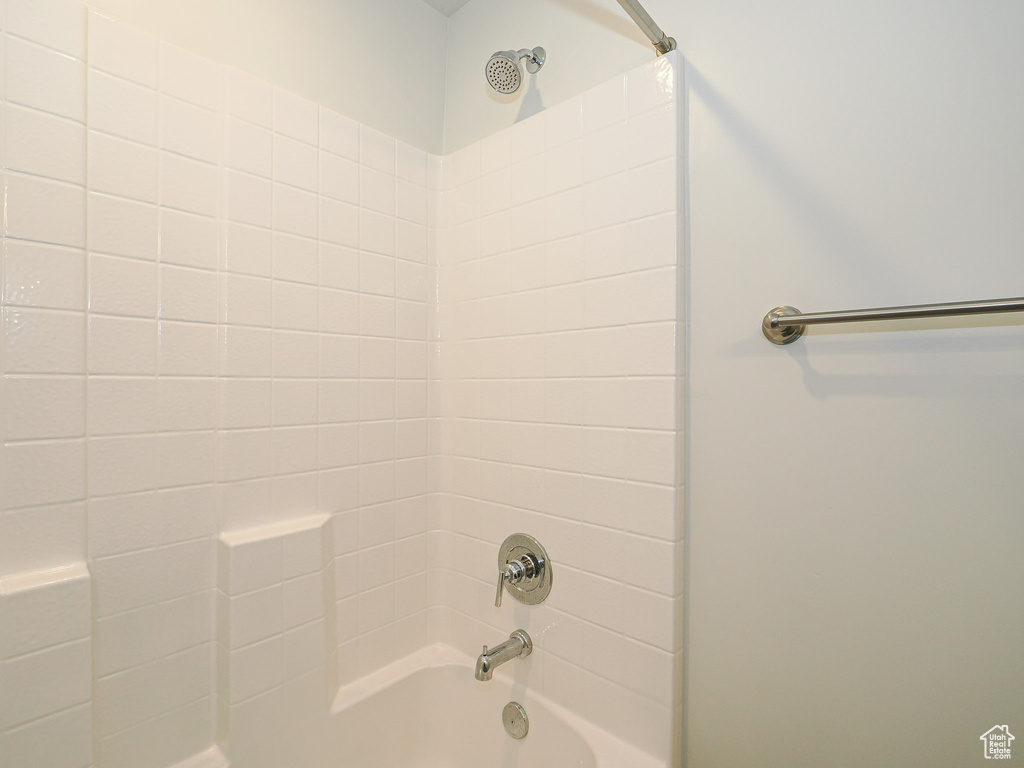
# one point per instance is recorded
(519, 645)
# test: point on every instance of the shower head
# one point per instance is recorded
(504, 73)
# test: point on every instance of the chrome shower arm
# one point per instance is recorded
(662, 42)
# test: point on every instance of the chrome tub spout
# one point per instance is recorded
(519, 645)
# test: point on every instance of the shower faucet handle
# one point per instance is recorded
(523, 569)
(497, 597)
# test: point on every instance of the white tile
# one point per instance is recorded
(338, 401)
(339, 356)
(187, 458)
(244, 454)
(339, 134)
(411, 202)
(248, 250)
(247, 300)
(339, 178)
(296, 117)
(136, 695)
(168, 739)
(652, 136)
(294, 402)
(189, 130)
(188, 294)
(256, 669)
(43, 473)
(376, 274)
(43, 276)
(411, 164)
(294, 495)
(339, 267)
(45, 211)
(376, 400)
(295, 258)
(295, 306)
(125, 582)
(650, 86)
(122, 346)
(122, 108)
(304, 648)
(245, 403)
(245, 352)
(119, 406)
(295, 211)
(45, 79)
(294, 449)
(68, 672)
(122, 227)
(339, 311)
(36, 408)
(122, 464)
(188, 239)
(123, 168)
(56, 24)
(190, 77)
(411, 241)
(377, 316)
(41, 341)
(123, 51)
(188, 185)
(151, 633)
(295, 354)
(376, 150)
(249, 147)
(339, 223)
(377, 191)
(122, 524)
(45, 145)
(248, 98)
(188, 349)
(652, 457)
(254, 565)
(119, 286)
(44, 537)
(302, 555)
(255, 616)
(376, 233)
(295, 163)
(63, 740)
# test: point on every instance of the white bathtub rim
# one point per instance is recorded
(610, 751)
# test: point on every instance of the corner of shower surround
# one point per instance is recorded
(559, 407)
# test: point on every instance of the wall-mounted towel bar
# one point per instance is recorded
(784, 325)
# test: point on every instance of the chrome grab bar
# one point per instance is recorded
(784, 325)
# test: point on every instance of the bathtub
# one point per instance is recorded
(428, 711)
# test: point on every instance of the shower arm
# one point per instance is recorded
(662, 42)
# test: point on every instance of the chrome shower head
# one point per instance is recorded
(504, 73)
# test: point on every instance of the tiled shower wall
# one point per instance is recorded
(556, 397)
(214, 318)
(215, 322)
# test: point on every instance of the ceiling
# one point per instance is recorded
(447, 7)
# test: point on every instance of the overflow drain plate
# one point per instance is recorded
(517, 724)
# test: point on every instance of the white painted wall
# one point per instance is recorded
(380, 62)
(851, 603)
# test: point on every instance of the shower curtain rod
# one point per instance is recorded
(784, 325)
(662, 42)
